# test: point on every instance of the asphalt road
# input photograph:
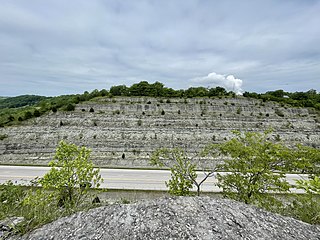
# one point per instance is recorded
(116, 178)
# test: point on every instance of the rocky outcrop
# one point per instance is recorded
(124, 131)
(180, 218)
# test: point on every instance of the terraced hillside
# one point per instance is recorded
(124, 131)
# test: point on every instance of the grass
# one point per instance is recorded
(36, 206)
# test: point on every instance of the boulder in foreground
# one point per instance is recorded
(177, 218)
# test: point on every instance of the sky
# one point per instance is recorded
(57, 47)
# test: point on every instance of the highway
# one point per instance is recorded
(116, 178)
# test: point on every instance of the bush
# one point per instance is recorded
(72, 181)
(11, 118)
(10, 199)
(27, 115)
(36, 113)
(304, 207)
(70, 107)
(54, 109)
(279, 112)
(255, 167)
(3, 136)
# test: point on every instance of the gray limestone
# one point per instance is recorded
(136, 127)
(177, 218)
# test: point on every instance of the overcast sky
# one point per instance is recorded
(56, 47)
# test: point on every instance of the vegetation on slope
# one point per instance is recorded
(20, 101)
(297, 99)
(17, 109)
(253, 171)
(62, 191)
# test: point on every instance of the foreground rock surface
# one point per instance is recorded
(177, 218)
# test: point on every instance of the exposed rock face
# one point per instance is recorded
(125, 131)
(180, 218)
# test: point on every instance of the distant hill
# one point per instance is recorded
(20, 101)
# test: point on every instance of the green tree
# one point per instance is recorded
(27, 115)
(69, 107)
(196, 92)
(218, 91)
(307, 160)
(103, 93)
(36, 113)
(142, 88)
(71, 175)
(183, 170)
(254, 167)
(120, 90)
(157, 89)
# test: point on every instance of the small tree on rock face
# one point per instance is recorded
(27, 115)
(70, 107)
(255, 166)
(36, 113)
(71, 175)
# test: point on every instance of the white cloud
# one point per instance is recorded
(228, 82)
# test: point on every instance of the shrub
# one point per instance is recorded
(3, 136)
(279, 112)
(71, 175)
(251, 165)
(69, 107)
(304, 207)
(11, 118)
(36, 113)
(10, 198)
(54, 109)
(27, 115)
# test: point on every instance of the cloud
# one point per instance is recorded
(79, 45)
(228, 82)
